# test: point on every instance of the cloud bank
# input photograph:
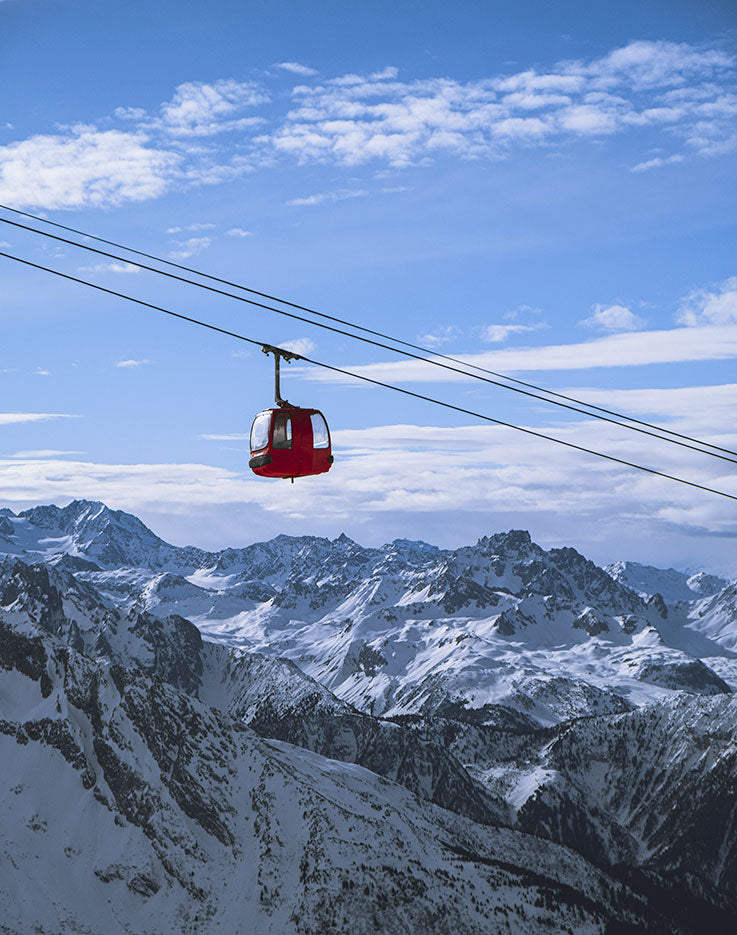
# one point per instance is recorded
(630, 349)
(395, 478)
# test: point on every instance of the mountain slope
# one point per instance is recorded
(159, 804)
(271, 695)
(518, 687)
(673, 586)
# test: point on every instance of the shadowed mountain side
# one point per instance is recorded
(162, 808)
(277, 700)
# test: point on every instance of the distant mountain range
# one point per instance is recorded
(410, 738)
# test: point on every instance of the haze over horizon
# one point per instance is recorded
(223, 546)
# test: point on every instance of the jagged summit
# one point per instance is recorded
(406, 627)
(410, 545)
(513, 539)
(343, 539)
(88, 529)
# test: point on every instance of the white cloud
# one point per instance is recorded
(355, 119)
(459, 480)
(129, 364)
(443, 334)
(84, 167)
(657, 162)
(613, 318)
(42, 372)
(342, 194)
(190, 247)
(238, 232)
(495, 334)
(207, 226)
(588, 119)
(295, 68)
(631, 349)
(200, 109)
(702, 411)
(390, 72)
(131, 486)
(44, 453)
(13, 418)
(659, 88)
(302, 346)
(124, 268)
(129, 113)
(647, 64)
(704, 307)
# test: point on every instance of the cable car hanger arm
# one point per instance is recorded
(278, 353)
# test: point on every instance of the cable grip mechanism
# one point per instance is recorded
(279, 353)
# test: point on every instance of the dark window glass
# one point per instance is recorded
(282, 437)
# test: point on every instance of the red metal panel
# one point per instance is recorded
(302, 459)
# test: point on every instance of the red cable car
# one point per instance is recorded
(289, 441)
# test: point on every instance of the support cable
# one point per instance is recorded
(351, 324)
(437, 363)
(358, 376)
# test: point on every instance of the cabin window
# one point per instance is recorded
(320, 437)
(260, 431)
(282, 437)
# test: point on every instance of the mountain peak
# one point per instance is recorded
(343, 539)
(111, 538)
(63, 516)
(514, 540)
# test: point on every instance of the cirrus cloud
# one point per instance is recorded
(13, 418)
(629, 349)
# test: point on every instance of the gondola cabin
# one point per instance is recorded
(290, 442)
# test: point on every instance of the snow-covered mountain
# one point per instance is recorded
(130, 805)
(553, 747)
(672, 585)
(502, 630)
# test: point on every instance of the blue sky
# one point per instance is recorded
(547, 189)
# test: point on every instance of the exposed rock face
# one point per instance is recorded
(406, 738)
(661, 783)
(286, 705)
(161, 808)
